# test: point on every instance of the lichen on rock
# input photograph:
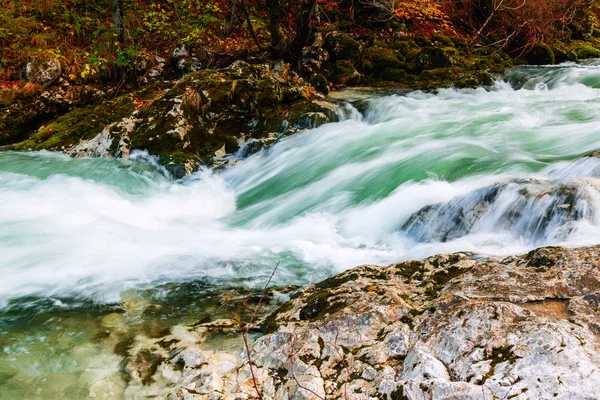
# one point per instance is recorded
(450, 326)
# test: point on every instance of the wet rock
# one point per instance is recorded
(376, 60)
(450, 326)
(553, 206)
(540, 54)
(189, 122)
(43, 71)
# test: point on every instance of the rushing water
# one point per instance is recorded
(405, 176)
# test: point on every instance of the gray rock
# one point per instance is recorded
(456, 326)
(44, 71)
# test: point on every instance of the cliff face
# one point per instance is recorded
(450, 326)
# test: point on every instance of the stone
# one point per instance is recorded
(450, 326)
(341, 46)
(319, 82)
(433, 58)
(184, 123)
(180, 52)
(43, 71)
(540, 54)
(345, 73)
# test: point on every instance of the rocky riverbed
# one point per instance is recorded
(456, 326)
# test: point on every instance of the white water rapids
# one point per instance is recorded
(490, 171)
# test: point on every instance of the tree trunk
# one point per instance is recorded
(232, 19)
(118, 4)
(274, 7)
(303, 28)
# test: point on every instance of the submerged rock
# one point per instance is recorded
(535, 210)
(450, 326)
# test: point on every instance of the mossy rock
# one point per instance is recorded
(408, 49)
(379, 59)
(345, 73)
(441, 40)
(203, 115)
(79, 124)
(563, 53)
(395, 75)
(460, 43)
(586, 51)
(433, 58)
(541, 54)
(474, 80)
(319, 82)
(342, 47)
(439, 77)
(423, 40)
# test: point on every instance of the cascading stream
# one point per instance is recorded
(413, 175)
(495, 171)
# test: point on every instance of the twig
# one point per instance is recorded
(247, 326)
(291, 355)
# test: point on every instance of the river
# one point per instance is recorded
(403, 176)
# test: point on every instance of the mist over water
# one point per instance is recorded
(411, 175)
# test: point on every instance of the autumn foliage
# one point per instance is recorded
(81, 32)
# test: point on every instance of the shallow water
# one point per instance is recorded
(408, 176)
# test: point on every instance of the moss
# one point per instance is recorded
(342, 47)
(563, 53)
(319, 82)
(394, 74)
(377, 59)
(337, 281)
(499, 355)
(320, 304)
(441, 40)
(411, 270)
(344, 72)
(438, 77)
(540, 54)
(433, 58)
(586, 51)
(270, 324)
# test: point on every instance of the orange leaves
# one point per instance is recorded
(424, 15)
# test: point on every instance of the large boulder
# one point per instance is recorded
(455, 326)
(541, 54)
(342, 47)
(43, 71)
(204, 116)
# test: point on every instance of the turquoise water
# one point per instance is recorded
(79, 238)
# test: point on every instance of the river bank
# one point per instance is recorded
(451, 326)
(213, 117)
